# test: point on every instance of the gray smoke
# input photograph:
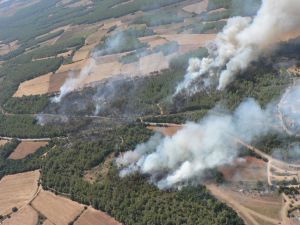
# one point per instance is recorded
(242, 41)
(172, 161)
(74, 82)
(289, 111)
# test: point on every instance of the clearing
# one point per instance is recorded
(26, 148)
(17, 190)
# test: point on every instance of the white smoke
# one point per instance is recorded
(74, 82)
(172, 161)
(242, 41)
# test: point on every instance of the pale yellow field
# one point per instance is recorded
(95, 217)
(26, 216)
(153, 41)
(47, 222)
(90, 43)
(80, 3)
(6, 48)
(3, 142)
(82, 54)
(17, 190)
(73, 66)
(152, 63)
(111, 22)
(107, 67)
(198, 40)
(65, 54)
(197, 8)
(36, 86)
(168, 28)
(57, 209)
(26, 148)
(123, 3)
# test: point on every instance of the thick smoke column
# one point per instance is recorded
(242, 41)
(172, 161)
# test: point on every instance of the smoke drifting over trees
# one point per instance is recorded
(241, 42)
(172, 161)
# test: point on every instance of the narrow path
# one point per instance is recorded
(28, 139)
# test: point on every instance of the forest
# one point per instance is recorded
(131, 200)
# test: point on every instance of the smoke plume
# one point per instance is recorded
(242, 41)
(74, 82)
(173, 161)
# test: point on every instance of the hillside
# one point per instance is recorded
(138, 112)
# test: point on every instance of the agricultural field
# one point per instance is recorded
(197, 8)
(26, 215)
(58, 210)
(94, 217)
(87, 86)
(17, 190)
(26, 148)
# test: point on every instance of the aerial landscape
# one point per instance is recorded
(149, 112)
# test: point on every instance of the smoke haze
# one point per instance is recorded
(242, 41)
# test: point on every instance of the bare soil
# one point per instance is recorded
(6, 48)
